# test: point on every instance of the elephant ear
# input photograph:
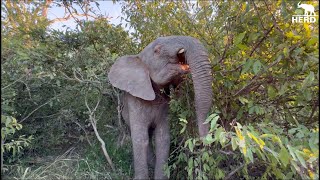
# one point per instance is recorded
(130, 74)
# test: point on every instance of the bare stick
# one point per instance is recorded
(233, 172)
(119, 108)
(84, 132)
(93, 121)
(36, 109)
(13, 83)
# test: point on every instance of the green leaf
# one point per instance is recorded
(307, 94)
(257, 67)
(243, 100)
(308, 80)
(208, 140)
(242, 46)
(205, 157)
(222, 138)
(190, 163)
(239, 37)
(284, 156)
(286, 52)
(206, 167)
(191, 146)
(283, 88)
(272, 93)
(312, 41)
(302, 161)
(217, 134)
(214, 122)
(234, 143)
(291, 150)
(211, 117)
(247, 66)
(249, 154)
(251, 109)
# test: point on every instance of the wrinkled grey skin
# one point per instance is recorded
(143, 77)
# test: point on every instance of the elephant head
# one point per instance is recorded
(160, 64)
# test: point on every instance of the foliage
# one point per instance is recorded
(47, 76)
(270, 149)
(265, 69)
(9, 126)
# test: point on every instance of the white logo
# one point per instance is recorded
(309, 14)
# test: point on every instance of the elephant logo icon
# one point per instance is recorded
(309, 15)
(307, 8)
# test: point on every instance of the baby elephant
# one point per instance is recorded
(145, 78)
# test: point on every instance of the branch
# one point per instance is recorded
(73, 15)
(84, 132)
(45, 8)
(227, 152)
(229, 40)
(233, 172)
(93, 122)
(36, 109)
(13, 83)
(256, 76)
(255, 8)
(119, 107)
(274, 19)
(314, 108)
(261, 40)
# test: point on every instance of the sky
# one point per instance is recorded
(107, 8)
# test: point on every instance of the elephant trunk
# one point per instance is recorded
(200, 67)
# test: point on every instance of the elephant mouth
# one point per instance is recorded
(181, 57)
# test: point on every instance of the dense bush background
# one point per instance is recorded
(264, 117)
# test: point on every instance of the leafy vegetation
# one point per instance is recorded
(263, 124)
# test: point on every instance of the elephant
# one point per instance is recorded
(307, 8)
(145, 78)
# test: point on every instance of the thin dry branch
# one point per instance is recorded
(84, 132)
(45, 8)
(233, 172)
(261, 40)
(93, 122)
(36, 109)
(256, 9)
(73, 15)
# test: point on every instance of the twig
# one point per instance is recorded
(72, 15)
(314, 108)
(258, 75)
(36, 109)
(255, 8)
(84, 132)
(227, 152)
(93, 122)
(119, 108)
(261, 40)
(229, 40)
(255, 77)
(12, 83)
(233, 172)
(274, 19)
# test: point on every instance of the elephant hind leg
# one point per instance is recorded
(151, 156)
(162, 145)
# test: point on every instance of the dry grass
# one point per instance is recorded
(69, 165)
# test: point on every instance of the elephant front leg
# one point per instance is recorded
(162, 140)
(140, 143)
